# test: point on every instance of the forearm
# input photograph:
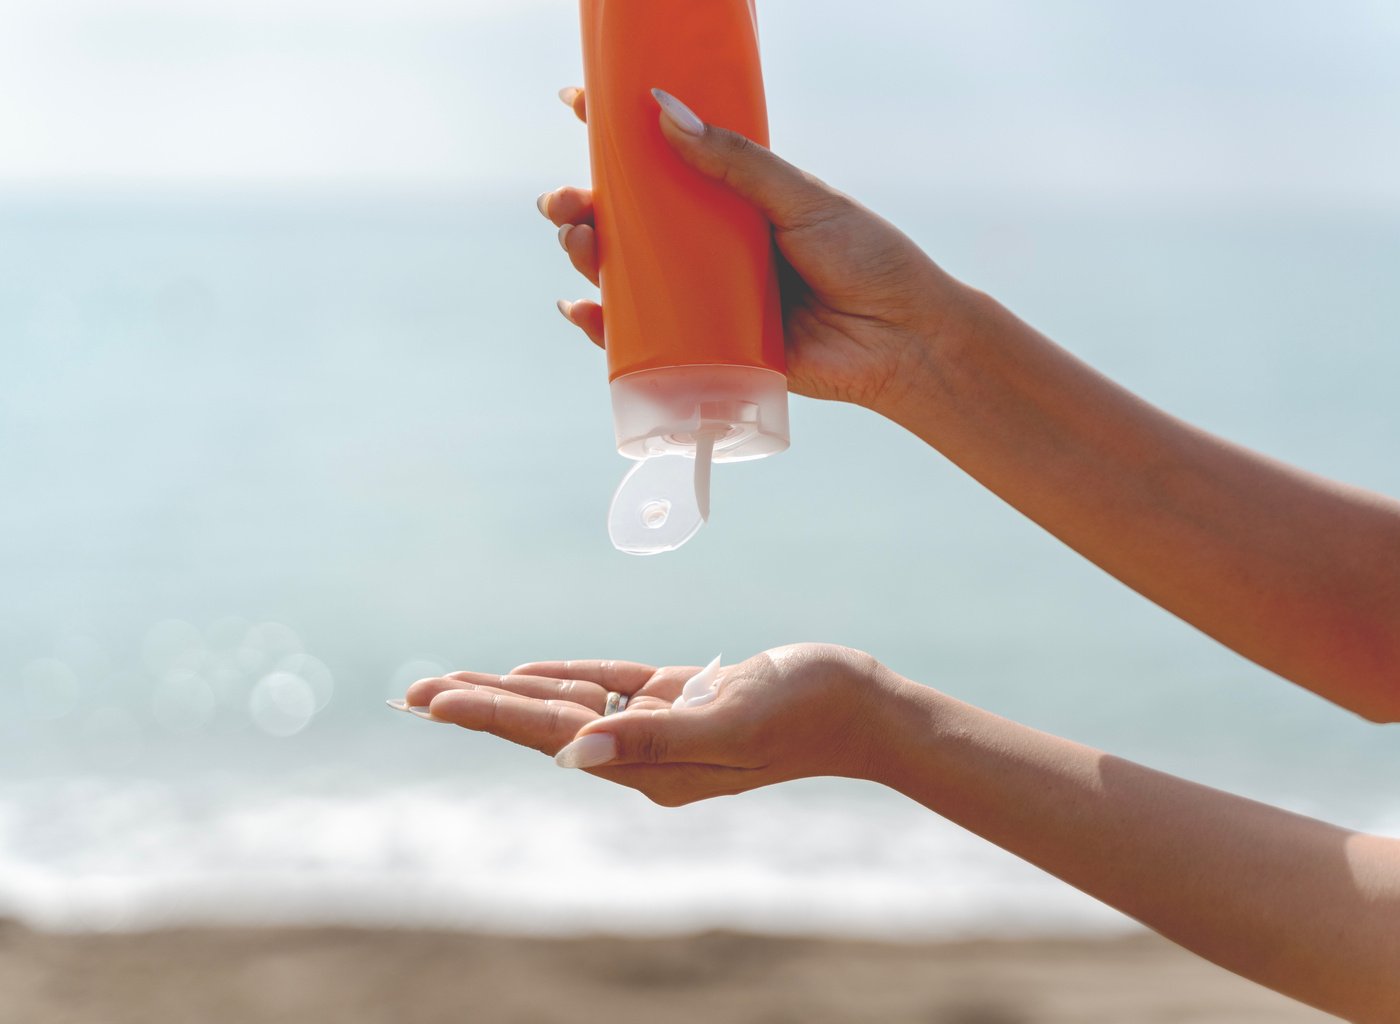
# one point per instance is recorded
(1303, 907)
(1297, 573)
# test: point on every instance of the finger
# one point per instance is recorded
(621, 676)
(787, 196)
(568, 205)
(588, 317)
(543, 725)
(589, 696)
(581, 243)
(573, 97)
(579, 691)
(652, 736)
(421, 693)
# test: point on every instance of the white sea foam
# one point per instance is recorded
(95, 855)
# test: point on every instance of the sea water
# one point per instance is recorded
(264, 462)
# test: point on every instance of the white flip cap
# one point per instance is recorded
(662, 502)
(677, 421)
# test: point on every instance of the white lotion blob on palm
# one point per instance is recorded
(700, 688)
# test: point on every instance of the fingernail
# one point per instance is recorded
(569, 93)
(542, 204)
(681, 116)
(587, 751)
(425, 714)
(564, 236)
(566, 308)
(397, 705)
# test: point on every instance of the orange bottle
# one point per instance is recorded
(689, 281)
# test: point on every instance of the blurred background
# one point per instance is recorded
(288, 420)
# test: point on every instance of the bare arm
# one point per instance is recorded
(1295, 904)
(1303, 907)
(1295, 572)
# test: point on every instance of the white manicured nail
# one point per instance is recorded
(566, 308)
(397, 705)
(426, 715)
(681, 116)
(569, 93)
(564, 236)
(587, 751)
(542, 204)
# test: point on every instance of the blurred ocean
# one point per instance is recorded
(263, 462)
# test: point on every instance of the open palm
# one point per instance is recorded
(788, 713)
(543, 705)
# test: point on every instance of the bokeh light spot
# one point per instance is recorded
(282, 704)
(314, 673)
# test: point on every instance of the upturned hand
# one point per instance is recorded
(792, 712)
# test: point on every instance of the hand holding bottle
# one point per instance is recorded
(862, 304)
(1291, 570)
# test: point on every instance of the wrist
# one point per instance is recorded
(938, 348)
(897, 724)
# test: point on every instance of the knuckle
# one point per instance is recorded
(736, 154)
(725, 141)
(649, 748)
(738, 146)
(555, 714)
(815, 205)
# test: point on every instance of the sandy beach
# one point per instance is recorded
(220, 976)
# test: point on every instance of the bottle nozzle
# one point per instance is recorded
(704, 459)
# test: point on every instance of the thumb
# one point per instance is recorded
(662, 736)
(786, 195)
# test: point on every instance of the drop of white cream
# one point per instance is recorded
(700, 688)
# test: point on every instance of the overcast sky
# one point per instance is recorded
(1289, 101)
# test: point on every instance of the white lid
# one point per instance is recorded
(676, 420)
(663, 411)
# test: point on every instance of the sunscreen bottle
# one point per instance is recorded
(689, 280)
